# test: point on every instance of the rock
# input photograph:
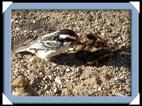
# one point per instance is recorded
(55, 90)
(57, 80)
(31, 59)
(54, 64)
(21, 86)
(99, 88)
(50, 77)
(71, 49)
(68, 69)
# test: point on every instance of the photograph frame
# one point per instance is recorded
(74, 99)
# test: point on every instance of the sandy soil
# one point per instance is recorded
(68, 76)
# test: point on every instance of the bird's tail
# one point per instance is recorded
(22, 49)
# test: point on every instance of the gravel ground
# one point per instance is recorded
(69, 77)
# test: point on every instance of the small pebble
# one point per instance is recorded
(99, 89)
(71, 49)
(50, 77)
(67, 70)
(34, 21)
(54, 64)
(57, 80)
(31, 59)
(55, 90)
(17, 29)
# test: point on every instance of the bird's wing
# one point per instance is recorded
(33, 45)
(47, 41)
(50, 36)
(52, 44)
(22, 49)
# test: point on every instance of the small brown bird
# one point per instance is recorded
(95, 50)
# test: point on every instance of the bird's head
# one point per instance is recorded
(91, 36)
(68, 36)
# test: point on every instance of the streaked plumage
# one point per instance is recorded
(51, 44)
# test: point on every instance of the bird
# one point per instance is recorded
(93, 42)
(97, 41)
(51, 44)
(96, 50)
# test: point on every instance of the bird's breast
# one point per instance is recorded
(45, 54)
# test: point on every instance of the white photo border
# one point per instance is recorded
(69, 99)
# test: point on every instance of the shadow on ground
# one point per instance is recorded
(84, 57)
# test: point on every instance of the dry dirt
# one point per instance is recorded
(69, 76)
